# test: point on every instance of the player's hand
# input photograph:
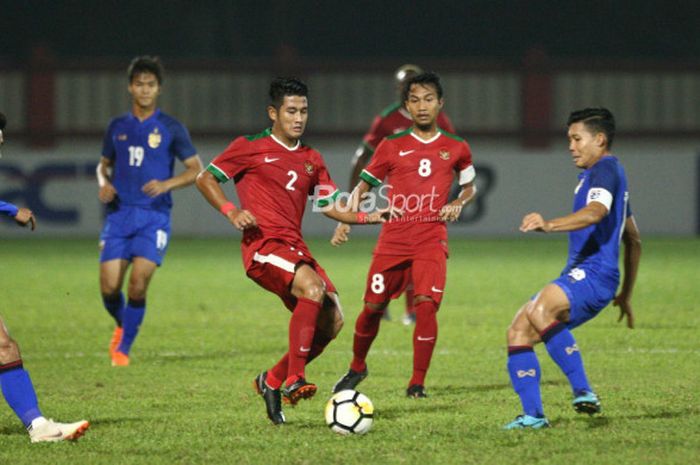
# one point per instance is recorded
(623, 302)
(451, 211)
(242, 219)
(535, 222)
(382, 215)
(25, 216)
(154, 188)
(107, 193)
(341, 234)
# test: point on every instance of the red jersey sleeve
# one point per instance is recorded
(463, 165)
(231, 162)
(378, 167)
(325, 190)
(445, 124)
(375, 134)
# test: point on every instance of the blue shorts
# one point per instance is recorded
(588, 293)
(135, 232)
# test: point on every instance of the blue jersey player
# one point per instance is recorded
(15, 383)
(601, 219)
(135, 175)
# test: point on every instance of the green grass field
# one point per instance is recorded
(187, 397)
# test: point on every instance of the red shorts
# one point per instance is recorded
(390, 274)
(273, 268)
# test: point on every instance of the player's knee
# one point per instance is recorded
(9, 351)
(377, 307)
(137, 289)
(314, 290)
(109, 287)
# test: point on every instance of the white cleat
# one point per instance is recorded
(51, 431)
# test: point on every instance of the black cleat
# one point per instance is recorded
(301, 389)
(272, 398)
(416, 391)
(350, 380)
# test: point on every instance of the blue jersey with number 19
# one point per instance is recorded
(142, 151)
(598, 246)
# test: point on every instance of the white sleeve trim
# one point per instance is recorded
(600, 195)
(467, 175)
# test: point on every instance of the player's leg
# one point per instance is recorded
(550, 315)
(524, 371)
(111, 280)
(142, 271)
(18, 390)
(409, 316)
(329, 323)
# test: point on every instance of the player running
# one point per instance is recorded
(135, 175)
(419, 166)
(601, 218)
(392, 120)
(15, 383)
(275, 173)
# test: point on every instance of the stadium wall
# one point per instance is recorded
(663, 176)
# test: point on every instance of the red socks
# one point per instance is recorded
(302, 327)
(424, 338)
(366, 329)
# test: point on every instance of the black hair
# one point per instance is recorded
(3, 121)
(281, 87)
(423, 79)
(596, 120)
(145, 64)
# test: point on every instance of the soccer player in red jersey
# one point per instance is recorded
(419, 166)
(392, 120)
(275, 174)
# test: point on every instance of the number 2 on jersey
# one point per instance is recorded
(294, 176)
(135, 155)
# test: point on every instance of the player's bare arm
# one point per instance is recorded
(359, 162)
(104, 176)
(342, 231)
(25, 217)
(633, 252)
(209, 186)
(592, 213)
(193, 165)
(452, 210)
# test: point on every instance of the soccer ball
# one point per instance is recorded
(349, 412)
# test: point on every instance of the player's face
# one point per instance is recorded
(585, 147)
(423, 104)
(289, 121)
(144, 89)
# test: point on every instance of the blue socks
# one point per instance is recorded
(562, 347)
(19, 392)
(525, 373)
(132, 316)
(115, 306)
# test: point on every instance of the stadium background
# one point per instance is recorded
(511, 73)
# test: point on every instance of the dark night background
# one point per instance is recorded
(498, 29)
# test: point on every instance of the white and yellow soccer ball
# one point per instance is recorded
(349, 412)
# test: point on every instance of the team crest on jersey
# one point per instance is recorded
(444, 154)
(309, 167)
(154, 139)
(121, 137)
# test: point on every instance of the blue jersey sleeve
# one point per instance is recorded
(8, 209)
(108, 150)
(604, 176)
(181, 146)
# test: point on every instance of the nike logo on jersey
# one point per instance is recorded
(403, 153)
(421, 338)
(435, 289)
(270, 160)
(304, 349)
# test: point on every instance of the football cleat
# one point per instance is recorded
(116, 339)
(408, 319)
(350, 380)
(300, 389)
(51, 431)
(527, 421)
(120, 359)
(416, 391)
(586, 402)
(272, 398)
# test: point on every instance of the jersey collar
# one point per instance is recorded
(291, 149)
(155, 114)
(423, 141)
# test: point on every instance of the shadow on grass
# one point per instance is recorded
(602, 421)
(459, 390)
